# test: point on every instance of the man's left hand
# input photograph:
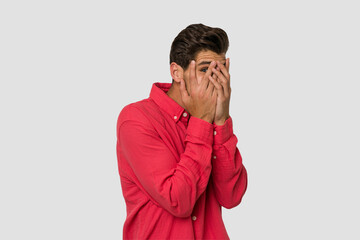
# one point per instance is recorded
(221, 81)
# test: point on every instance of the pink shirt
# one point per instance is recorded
(176, 171)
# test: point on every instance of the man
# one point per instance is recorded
(177, 155)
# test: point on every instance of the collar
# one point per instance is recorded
(158, 94)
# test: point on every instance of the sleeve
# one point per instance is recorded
(229, 175)
(174, 186)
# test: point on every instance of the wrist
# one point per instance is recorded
(207, 120)
(204, 118)
(221, 121)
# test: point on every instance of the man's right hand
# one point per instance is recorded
(201, 102)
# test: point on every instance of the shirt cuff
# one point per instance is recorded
(222, 133)
(201, 129)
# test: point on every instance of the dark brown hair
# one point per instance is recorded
(195, 38)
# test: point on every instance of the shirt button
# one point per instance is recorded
(175, 117)
(193, 218)
(214, 132)
(185, 114)
(214, 157)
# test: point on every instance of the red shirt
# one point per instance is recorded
(176, 170)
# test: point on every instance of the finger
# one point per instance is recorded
(215, 94)
(227, 64)
(217, 85)
(224, 70)
(183, 92)
(214, 76)
(208, 73)
(220, 75)
(223, 81)
(192, 74)
(228, 70)
(211, 86)
(205, 80)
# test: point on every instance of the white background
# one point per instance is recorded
(68, 67)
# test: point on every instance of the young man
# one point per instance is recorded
(177, 155)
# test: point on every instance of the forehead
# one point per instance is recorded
(207, 55)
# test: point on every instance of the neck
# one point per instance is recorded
(174, 93)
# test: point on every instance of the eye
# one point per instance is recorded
(204, 69)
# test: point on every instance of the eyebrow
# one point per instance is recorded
(207, 62)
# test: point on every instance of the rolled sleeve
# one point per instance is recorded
(201, 129)
(222, 133)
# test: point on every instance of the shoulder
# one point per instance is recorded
(140, 111)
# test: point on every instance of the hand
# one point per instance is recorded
(201, 102)
(221, 81)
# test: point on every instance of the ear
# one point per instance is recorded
(176, 71)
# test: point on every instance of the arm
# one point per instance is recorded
(228, 173)
(174, 186)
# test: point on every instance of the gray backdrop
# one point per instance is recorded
(68, 67)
